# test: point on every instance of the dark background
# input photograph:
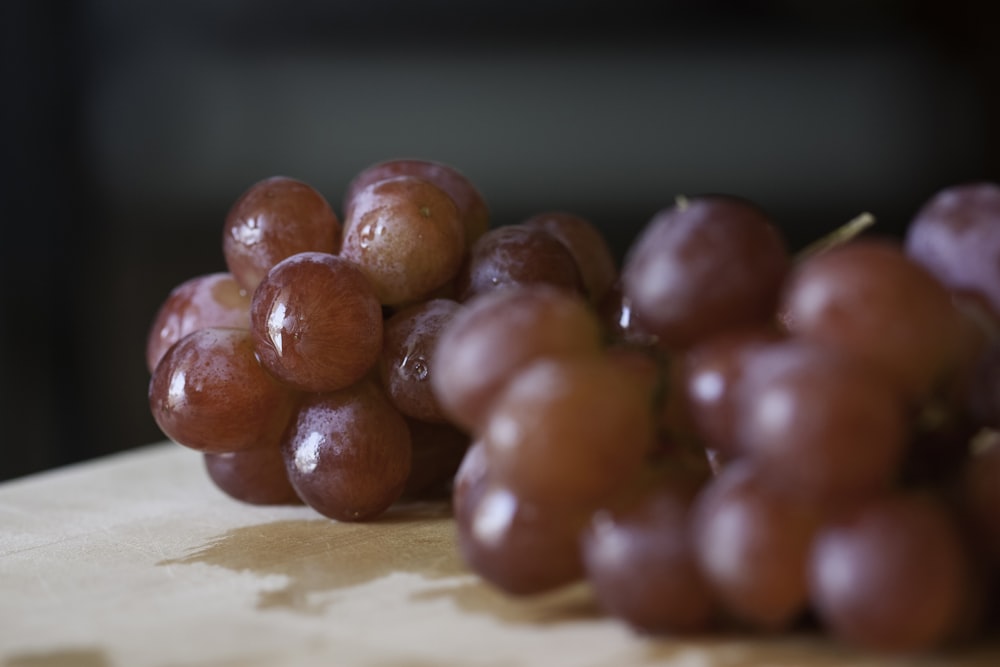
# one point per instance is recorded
(129, 126)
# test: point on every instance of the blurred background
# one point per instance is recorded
(130, 126)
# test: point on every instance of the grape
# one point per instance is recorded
(642, 566)
(702, 266)
(409, 340)
(348, 452)
(981, 497)
(711, 370)
(521, 548)
(438, 451)
(823, 423)
(891, 576)
(316, 322)
(211, 300)
(956, 236)
(868, 298)
(517, 255)
(497, 333)
(276, 218)
(468, 200)
(254, 476)
(209, 393)
(618, 319)
(573, 429)
(406, 236)
(586, 244)
(753, 544)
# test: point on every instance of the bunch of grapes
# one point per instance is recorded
(719, 434)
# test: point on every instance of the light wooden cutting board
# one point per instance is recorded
(137, 559)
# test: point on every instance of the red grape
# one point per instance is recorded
(517, 255)
(753, 545)
(496, 334)
(209, 393)
(956, 236)
(586, 244)
(703, 266)
(255, 476)
(409, 341)
(316, 322)
(276, 218)
(892, 576)
(348, 452)
(468, 200)
(868, 298)
(406, 236)
(642, 565)
(211, 300)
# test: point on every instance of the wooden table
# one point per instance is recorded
(137, 559)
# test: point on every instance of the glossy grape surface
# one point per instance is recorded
(211, 300)
(276, 218)
(406, 236)
(702, 266)
(316, 322)
(469, 201)
(348, 452)
(209, 393)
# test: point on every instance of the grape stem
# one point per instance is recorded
(841, 235)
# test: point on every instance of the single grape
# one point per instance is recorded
(702, 266)
(711, 370)
(211, 300)
(348, 452)
(521, 548)
(891, 576)
(316, 322)
(409, 342)
(517, 255)
(468, 200)
(406, 236)
(586, 244)
(868, 298)
(824, 424)
(276, 218)
(753, 543)
(642, 566)
(438, 451)
(496, 334)
(571, 430)
(254, 476)
(209, 393)
(956, 236)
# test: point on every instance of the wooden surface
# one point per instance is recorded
(138, 560)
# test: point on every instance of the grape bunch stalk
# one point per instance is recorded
(720, 434)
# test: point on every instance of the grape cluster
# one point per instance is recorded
(720, 433)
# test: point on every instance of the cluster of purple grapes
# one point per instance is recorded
(719, 434)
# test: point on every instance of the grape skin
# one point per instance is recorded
(316, 322)
(471, 205)
(348, 452)
(276, 218)
(891, 576)
(702, 266)
(209, 393)
(496, 334)
(406, 236)
(211, 300)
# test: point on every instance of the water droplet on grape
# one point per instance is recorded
(416, 367)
